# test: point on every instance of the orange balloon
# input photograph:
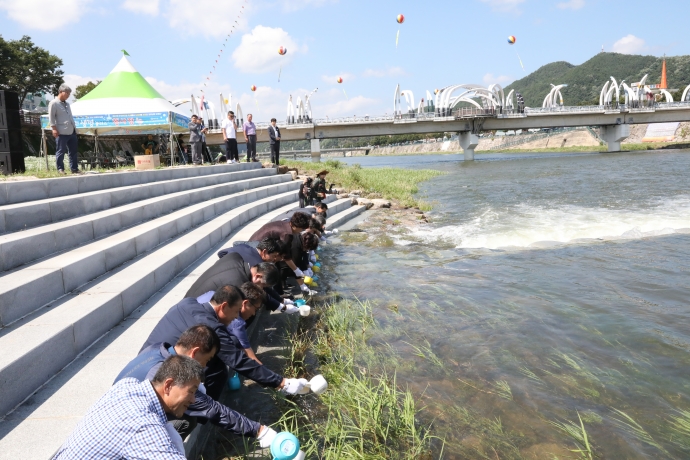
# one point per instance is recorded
(339, 79)
(253, 88)
(400, 19)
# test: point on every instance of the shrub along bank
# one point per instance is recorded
(390, 183)
(365, 413)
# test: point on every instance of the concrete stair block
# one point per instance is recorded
(40, 189)
(344, 216)
(22, 247)
(102, 302)
(31, 214)
(79, 266)
(46, 418)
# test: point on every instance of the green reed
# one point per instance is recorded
(579, 436)
(365, 413)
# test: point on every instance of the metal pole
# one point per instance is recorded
(44, 146)
(172, 144)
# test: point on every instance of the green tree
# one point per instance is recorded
(27, 68)
(82, 90)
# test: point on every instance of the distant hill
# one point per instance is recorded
(586, 80)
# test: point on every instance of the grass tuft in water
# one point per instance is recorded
(579, 436)
(680, 427)
(503, 389)
(634, 429)
(425, 352)
(365, 413)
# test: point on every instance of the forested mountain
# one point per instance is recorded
(586, 80)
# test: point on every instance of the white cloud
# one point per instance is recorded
(333, 79)
(571, 5)
(294, 5)
(142, 6)
(258, 50)
(502, 80)
(504, 6)
(210, 18)
(629, 44)
(44, 15)
(389, 72)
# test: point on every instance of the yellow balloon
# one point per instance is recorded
(314, 284)
(308, 280)
(316, 269)
(316, 256)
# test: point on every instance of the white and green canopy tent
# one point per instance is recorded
(124, 103)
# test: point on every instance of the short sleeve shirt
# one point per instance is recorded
(229, 127)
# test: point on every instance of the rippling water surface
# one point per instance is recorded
(545, 287)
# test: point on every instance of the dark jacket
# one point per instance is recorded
(272, 135)
(300, 257)
(251, 256)
(231, 269)
(286, 216)
(278, 230)
(189, 313)
(248, 253)
(145, 366)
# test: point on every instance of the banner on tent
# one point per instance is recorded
(134, 123)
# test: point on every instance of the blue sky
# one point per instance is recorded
(174, 43)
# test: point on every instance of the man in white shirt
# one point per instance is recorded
(230, 136)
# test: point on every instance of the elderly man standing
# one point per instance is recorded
(130, 420)
(196, 129)
(250, 137)
(64, 130)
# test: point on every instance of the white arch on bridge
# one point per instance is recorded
(409, 99)
(290, 111)
(667, 95)
(551, 99)
(685, 94)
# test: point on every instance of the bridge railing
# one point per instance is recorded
(566, 109)
(471, 112)
(673, 105)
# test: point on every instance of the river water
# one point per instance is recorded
(545, 286)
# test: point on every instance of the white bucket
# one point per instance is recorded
(304, 310)
(318, 384)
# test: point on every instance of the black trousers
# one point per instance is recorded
(216, 376)
(231, 149)
(251, 147)
(275, 153)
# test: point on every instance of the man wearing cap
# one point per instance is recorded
(319, 186)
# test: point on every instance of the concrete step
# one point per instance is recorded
(46, 419)
(31, 287)
(37, 347)
(336, 206)
(20, 248)
(344, 216)
(41, 189)
(22, 216)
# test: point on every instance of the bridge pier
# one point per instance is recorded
(613, 135)
(468, 142)
(316, 150)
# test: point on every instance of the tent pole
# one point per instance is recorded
(44, 146)
(172, 140)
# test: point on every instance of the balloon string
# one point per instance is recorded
(279, 72)
(345, 94)
(523, 67)
(397, 37)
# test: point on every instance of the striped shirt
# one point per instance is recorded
(128, 422)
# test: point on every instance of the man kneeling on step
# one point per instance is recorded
(200, 343)
(218, 313)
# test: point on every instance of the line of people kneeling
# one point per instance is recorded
(178, 376)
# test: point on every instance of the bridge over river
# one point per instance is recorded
(463, 114)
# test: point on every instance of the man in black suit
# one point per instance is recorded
(274, 135)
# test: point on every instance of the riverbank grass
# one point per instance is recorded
(395, 184)
(365, 413)
(35, 168)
